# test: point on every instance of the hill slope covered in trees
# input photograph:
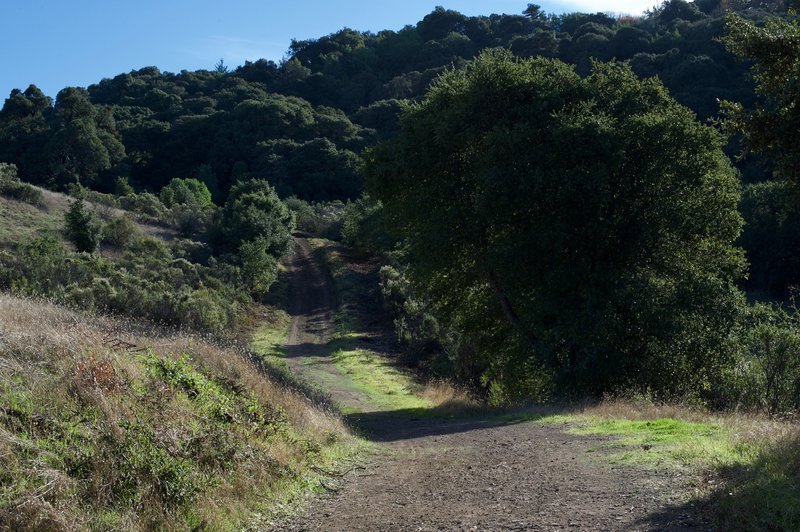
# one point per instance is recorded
(300, 124)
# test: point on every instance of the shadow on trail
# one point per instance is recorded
(686, 516)
(398, 425)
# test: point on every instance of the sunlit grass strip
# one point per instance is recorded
(270, 337)
(387, 387)
(669, 442)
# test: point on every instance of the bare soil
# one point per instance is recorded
(468, 474)
(308, 347)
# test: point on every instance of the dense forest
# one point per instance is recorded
(363, 136)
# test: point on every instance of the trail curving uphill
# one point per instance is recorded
(308, 348)
(467, 474)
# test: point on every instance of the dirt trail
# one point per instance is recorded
(308, 350)
(470, 474)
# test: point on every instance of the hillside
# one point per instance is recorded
(300, 124)
(107, 423)
(21, 221)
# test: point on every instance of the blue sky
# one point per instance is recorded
(59, 43)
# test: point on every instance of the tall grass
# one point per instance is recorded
(106, 423)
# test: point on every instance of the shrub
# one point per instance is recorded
(12, 187)
(318, 219)
(82, 227)
(766, 373)
(185, 192)
(119, 232)
(148, 283)
(258, 267)
(363, 228)
(146, 204)
(192, 218)
(254, 210)
(122, 187)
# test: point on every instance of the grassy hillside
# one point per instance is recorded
(108, 424)
(21, 221)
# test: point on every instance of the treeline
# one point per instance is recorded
(300, 124)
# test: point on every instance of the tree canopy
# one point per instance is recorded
(579, 227)
(300, 124)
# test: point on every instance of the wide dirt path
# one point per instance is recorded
(470, 474)
(308, 349)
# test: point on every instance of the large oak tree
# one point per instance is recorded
(580, 228)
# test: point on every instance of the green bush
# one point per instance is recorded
(363, 227)
(185, 192)
(766, 373)
(145, 204)
(254, 210)
(318, 219)
(12, 187)
(192, 218)
(122, 187)
(82, 227)
(119, 232)
(258, 267)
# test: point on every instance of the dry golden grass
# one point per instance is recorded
(20, 221)
(60, 360)
(449, 399)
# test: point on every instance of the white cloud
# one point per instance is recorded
(630, 7)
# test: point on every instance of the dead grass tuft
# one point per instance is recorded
(449, 399)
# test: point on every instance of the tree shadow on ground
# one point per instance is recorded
(759, 495)
(391, 426)
(691, 515)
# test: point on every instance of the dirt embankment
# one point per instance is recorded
(469, 474)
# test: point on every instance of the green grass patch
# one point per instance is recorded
(270, 337)
(386, 386)
(662, 442)
(670, 442)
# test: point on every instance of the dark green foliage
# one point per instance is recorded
(318, 219)
(771, 237)
(122, 187)
(611, 266)
(82, 227)
(417, 330)
(258, 267)
(771, 127)
(254, 211)
(290, 124)
(83, 142)
(363, 227)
